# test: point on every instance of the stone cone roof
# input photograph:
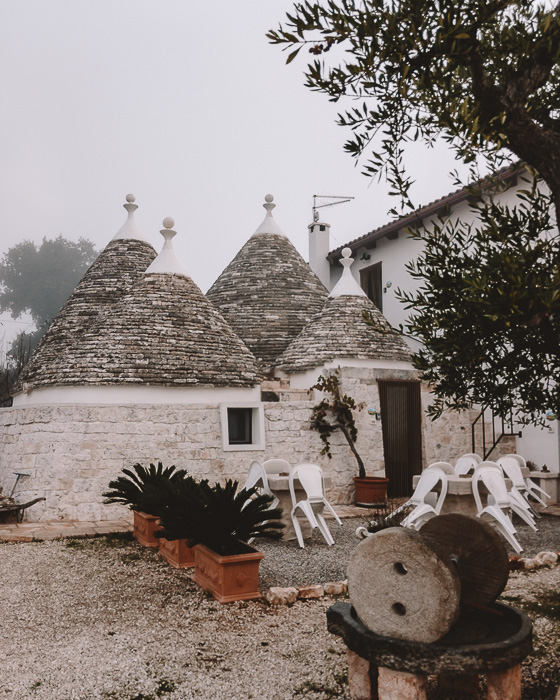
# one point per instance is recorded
(268, 293)
(339, 330)
(162, 332)
(114, 272)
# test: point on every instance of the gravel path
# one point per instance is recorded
(107, 619)
(285, 564)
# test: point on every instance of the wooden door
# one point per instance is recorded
(401, 422)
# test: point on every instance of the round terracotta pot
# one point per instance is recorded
(370, 490)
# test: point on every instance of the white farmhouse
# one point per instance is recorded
(380, 268)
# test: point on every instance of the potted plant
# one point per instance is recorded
(219, 521)
(336, 412)
(144, 491)
(178, 551)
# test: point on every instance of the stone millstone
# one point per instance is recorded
(402, 586)
(477, 552)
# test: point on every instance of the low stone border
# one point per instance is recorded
(287, 596)
(541, 559)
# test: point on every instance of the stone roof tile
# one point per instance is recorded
(116, 269)
(339, 330)
(267, 293)
(162, 332)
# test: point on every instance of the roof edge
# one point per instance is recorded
(506, 175)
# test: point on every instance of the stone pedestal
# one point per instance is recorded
(385, 668)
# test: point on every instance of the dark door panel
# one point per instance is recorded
(401, 422)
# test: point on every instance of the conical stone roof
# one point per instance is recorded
(268, 293)
(117, 268)
(162, 332)
(340, 330)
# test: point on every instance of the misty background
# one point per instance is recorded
(187, 106)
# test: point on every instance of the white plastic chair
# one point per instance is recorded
(518, 491)
(420, 499)
(310, 476)
(444, 466)
(257, 477)
(533, 489)
(276, 466)
(467, 462)
(518, 458)
(498, 502)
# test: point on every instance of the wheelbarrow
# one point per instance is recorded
(12, 512)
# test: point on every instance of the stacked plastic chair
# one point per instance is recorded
(426, 503)
(518, 491)
(533, 490)
(258, 477)
(498, 501)
(467, 462)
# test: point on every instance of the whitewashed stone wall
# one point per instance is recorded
(71, 452)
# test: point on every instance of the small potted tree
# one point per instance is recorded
(144, 491)
(219, 521)
(336, 412)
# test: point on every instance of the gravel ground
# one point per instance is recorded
(285, 564)
(106, 618)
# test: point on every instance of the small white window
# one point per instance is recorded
(242, 426)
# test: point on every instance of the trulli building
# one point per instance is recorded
(140, 366)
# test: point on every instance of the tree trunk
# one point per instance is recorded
(361, 468)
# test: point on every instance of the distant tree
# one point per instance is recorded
(484, 76)
(11, 366)
(38, 279)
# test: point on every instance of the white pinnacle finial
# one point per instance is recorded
(167, 262)
(347, 285)
(168, 233)
(130, 206)
(130, 229)
(269, 225)
(269, 203)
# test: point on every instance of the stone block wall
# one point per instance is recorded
(71, 452)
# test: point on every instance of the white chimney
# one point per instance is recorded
(319, 244)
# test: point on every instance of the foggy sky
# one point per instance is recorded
(187, 106)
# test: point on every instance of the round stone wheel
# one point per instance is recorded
(477, 552)
(402, 586)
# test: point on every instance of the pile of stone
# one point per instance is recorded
(546, 558)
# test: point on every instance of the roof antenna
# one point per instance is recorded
(341, 200)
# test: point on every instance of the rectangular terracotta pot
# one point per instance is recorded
(144, 527)
(228, 578)
(176, 552)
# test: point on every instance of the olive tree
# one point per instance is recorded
(484, 76)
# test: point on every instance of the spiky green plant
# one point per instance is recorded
(145, 489)
(222, 518)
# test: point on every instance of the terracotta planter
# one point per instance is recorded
(176, 552)
(144, 527)
(228, 578)
(370, 490)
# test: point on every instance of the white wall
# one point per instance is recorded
(540, 446)
(71, 452)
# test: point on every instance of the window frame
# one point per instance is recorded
(257, 427)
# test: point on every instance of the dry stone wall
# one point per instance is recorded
(71, 452)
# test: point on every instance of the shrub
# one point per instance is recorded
(145, 489)
(221, 518)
